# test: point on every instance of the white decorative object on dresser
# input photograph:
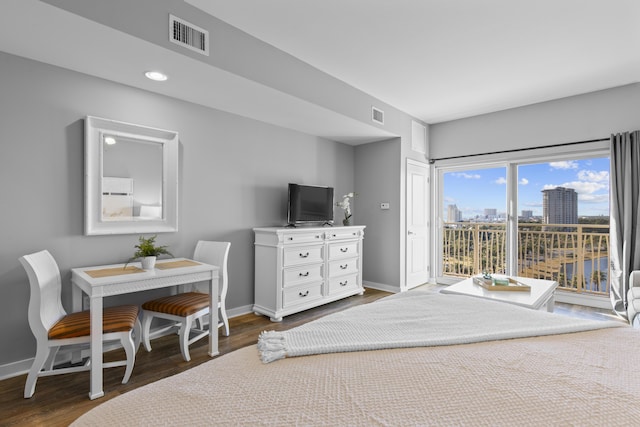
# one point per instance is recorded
(300, 268)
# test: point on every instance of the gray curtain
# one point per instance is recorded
(624, 255)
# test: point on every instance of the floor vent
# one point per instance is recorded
(188, 35)
(377, 115)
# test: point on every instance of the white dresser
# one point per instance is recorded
(300, 268)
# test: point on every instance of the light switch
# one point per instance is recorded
(384, 205)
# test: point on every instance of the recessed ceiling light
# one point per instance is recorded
(109, 140)
(156, 75)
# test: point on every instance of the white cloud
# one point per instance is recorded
(581, 187)
(467, 175)
(593, 198)
(564, 165)
(524, 181)
(501, 180)
(593, 176)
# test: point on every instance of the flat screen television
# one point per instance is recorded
(310, 204)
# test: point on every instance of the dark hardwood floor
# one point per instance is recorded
(59, 400)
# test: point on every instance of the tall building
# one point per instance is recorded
(527, 214)
(560, 206)
(453, 214)
(490, 213)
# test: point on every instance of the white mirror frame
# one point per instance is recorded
(95, 128)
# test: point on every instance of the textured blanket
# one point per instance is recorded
(416, 319)
(582, 379)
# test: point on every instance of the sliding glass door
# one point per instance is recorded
(563, 223)
(474, 226)
(540, 219)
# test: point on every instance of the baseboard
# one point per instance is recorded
(380, 286)
(582, 299)
(14, 369)
(240, 311)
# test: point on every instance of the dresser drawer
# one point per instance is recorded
(299, 275)
(343, 267)
(293, 238)
(343, 250)
(338, 234)
(302, 255)
(301, 294)
(343, 284)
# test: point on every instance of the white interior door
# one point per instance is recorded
(417, 239)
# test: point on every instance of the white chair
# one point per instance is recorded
(633, 299)
(185, 308)
(54, 328)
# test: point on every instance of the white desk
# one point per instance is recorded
(541, 296)
(98, 288)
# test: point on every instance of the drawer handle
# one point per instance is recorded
(344, 283)
(303, 274)
(303, 294)
(344, 250)
(290, 238)
(344, 267)
(304, 255)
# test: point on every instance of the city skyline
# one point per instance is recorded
(588, 177)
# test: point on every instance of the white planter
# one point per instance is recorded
(148, 263)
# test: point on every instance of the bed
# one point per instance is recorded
(554, 374)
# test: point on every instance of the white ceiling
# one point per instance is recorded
(39, 31)
(434, 59)
(440, 60)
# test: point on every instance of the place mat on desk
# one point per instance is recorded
(117, 271)
(176, 264)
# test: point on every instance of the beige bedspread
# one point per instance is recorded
(584, 378)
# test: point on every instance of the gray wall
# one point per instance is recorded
(378, 166)
(578, 118)
(233, 176)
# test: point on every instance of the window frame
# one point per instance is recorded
(510, 161)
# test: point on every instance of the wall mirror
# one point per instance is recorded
(131, 178)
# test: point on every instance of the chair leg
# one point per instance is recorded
(53, 352)
(130, 350)
(185, 331)
(225, 319)
(146, 327)
(42, 353)
(137, 335)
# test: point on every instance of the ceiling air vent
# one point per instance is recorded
(188, 35)
(377, 115)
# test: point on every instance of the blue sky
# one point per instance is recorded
(473, 191)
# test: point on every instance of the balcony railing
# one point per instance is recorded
(574, 255)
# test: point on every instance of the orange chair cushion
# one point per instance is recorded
(179, 305)
(114, 319)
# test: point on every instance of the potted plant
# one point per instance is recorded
(345, 204)
(147, 252)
